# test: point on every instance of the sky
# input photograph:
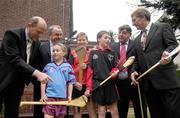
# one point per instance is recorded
(92, 16)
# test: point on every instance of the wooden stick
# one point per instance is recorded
(81, 53)
(140, 101)
(79, 102)
(125, 65)
(175, 51)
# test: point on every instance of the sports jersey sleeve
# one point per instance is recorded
(89, 73)
(71, 77)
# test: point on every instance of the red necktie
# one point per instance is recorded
(122, 54)
(123, 74)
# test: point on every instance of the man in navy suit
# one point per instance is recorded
(153, 44)
(18, 61)
(126, 91)
(55, 35)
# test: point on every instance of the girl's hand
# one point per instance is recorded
(78, 86)
(43, 98)
(69, 99)
(84, 66)
(87, 93)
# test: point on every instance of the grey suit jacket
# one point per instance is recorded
(160, 38)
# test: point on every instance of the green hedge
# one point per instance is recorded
(178, 73)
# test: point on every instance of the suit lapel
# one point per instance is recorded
(150, 34)
(23, 43)
(118, 49)
(129, 47)
(48, 49)
(32, 51)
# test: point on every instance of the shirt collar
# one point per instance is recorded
(27, 36)
(148, 27)
(126, 43)
(26, 33)
(105, 49)
(51, 44)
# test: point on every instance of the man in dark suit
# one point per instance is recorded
(55, 35)
(162, 86)
(18, 59)
(126, 91)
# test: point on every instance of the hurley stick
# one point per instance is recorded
(175, 51)
(81, 53)
(125, 65)
(79, 102)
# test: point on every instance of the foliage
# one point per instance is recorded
(178, 73)
(171, 7)
(113, 36)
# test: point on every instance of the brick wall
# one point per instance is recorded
(16, 12)
(27, 96)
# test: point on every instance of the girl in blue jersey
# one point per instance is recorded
(62, 85)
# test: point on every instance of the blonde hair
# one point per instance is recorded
(63, 47)
(82, 34)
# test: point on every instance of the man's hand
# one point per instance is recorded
(164, 60)
(42, 77)
(133, 77)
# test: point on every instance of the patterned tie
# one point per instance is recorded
(28, 49)
(123, 74)
(143, 39)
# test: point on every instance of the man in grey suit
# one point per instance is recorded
(162, 86)
(18, 61)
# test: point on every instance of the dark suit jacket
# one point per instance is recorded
(45, 54)
(13, 58)
(160, 38)
(129, 52)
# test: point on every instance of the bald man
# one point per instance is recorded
(18, 62)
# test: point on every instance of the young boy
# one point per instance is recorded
(80, 59)
(63, 76)
(102, 61)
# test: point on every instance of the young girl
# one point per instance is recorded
(83, 85)
(63, 76)
(102, 61)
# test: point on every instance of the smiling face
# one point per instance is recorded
(82, 39)
(55, 34)
(124, 35)
(59, 50)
